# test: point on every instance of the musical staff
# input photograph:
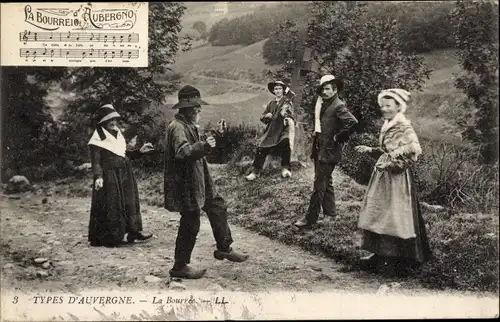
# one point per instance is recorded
(113, 38)
(87, 53)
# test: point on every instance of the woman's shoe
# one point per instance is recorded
(133, 236)
(285, 173)
(251, 177)
(370, 261)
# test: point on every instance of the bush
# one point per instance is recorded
(236, 143)
(359, 166)
(451, 176)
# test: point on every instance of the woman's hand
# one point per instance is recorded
(147, 147)
(363, 149)
(98, 183)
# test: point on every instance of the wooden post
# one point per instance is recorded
(303, 64)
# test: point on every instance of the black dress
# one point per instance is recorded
(115, 208)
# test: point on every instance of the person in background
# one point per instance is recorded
(115, 209)
(332, 128)
(188, 187)
(278, 117)
(390, 218)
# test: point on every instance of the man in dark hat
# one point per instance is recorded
(189, 189)
(332, 127)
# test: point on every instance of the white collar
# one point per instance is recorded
(116, 145)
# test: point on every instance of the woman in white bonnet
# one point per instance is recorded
(391, 219)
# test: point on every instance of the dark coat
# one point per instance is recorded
(337, 124)
(187, 182)
(276, 130)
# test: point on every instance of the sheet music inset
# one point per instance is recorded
(75, 34)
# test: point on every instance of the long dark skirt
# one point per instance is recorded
(414, 249)
(115, 208)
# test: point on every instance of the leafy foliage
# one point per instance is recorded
(477, 41)
(254, 27)
(201, 28)
(24, 116)
(365, 52)
(424, 25)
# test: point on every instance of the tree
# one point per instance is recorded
(133, 89)
(477, 42)
(201, 28)
(24, 116)
(367, 54)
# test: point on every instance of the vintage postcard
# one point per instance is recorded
(249, 160)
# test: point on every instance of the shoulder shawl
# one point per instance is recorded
(116, 145)
(399, 139)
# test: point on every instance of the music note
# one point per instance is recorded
(121, 38)
(121, 53)
(91, 37)
(69, 34)
(112, 54)
(36, 35)
(51, 34)
(27, 54)
(105, 54)
(92, 52)
(83, 54)
(67, 54)
(52, 53)
(129, 54)
(114, 39)
(129, 37)
(77, 37)
(105, 38)
(44, 52)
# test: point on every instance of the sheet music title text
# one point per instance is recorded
(83, 18)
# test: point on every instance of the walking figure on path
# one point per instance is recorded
(188, 187)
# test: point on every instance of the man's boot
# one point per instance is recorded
(187, 272)
(230, 255)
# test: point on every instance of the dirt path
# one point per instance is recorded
(57, 230)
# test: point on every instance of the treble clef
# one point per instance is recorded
(25, 36)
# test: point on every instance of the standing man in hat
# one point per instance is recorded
(115, 209)
(189, 189)
(332, 127)
(278, 116)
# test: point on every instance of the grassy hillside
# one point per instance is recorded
(433, 111)
(232, 62)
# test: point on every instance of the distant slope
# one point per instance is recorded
(232, 62)
(434, 111)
